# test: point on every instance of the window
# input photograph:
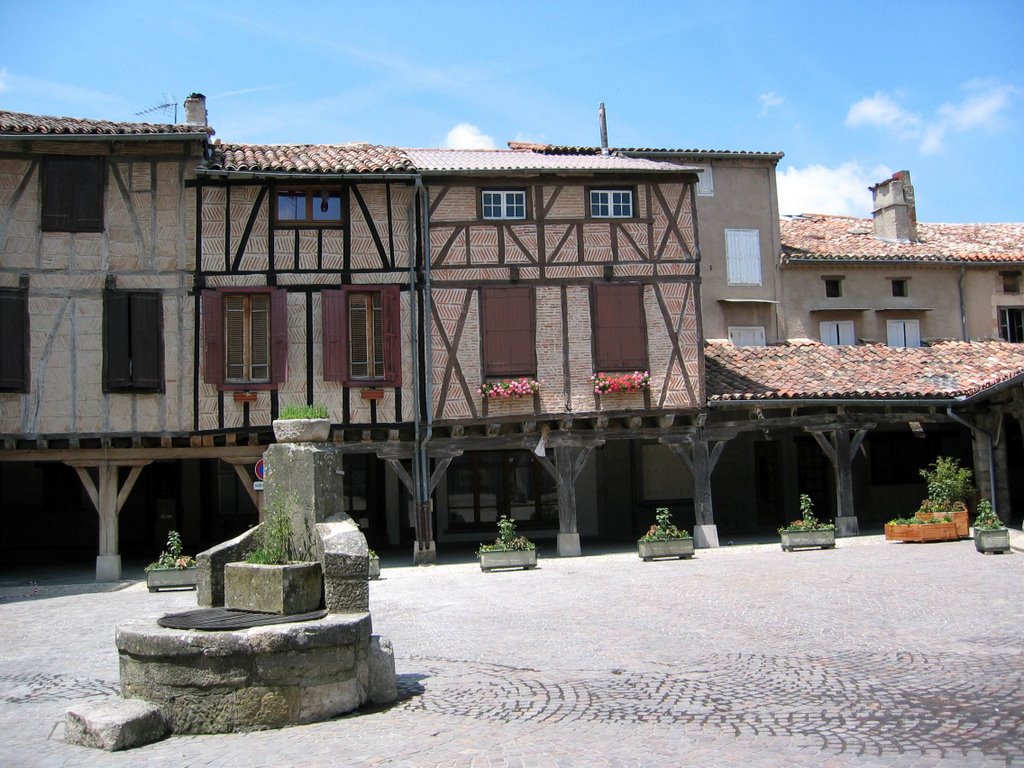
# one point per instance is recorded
(743, 256)
(837, 332)
(900, 287)
(1010, 282)
(72, 194)
(245, 337)
(507, 328)
(611, 203)
(362, 335)
(309, 206)
(483, 485)
(833, 287)
(747, 335)
(14, 350)
(504, 204)
(903, 333)
(620, 328)
(705, 182)
(1011, 324)
(133, 353)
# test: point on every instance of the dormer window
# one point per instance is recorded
(503, 204)
(308, 206)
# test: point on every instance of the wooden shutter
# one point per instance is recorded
(213, 337)
(509, 340)
(147, 349)
(335, 322)
(57, 195)
(14, 349)
(392, 308)
(279, 336)
(743, 256)
(87, 194)
(117, 341)
(620, 328)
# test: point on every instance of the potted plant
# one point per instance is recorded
(808, 531)
(509, 550)
(949, 488)
(374, 563)
(302, 424)
(172, 570)
(663, 539)
(915, 529)
(990, 535)
(268, 581)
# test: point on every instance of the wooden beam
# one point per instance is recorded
(439, 471)
(126, 456)
(403, 475)
(246, 480)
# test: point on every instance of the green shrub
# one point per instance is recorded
(314, 411)
(664, 529)
(507, 540)
(273, 540)
(949, 485)
(987, 519)
(807, 521)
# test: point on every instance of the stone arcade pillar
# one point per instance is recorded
(108, 500)
(700, 456)
(569, 462)
(840, 449)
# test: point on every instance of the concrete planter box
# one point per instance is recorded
(652, 550)
(302, 430)
(374, 564)
(285, 589)
(922, 532)
(519, 558)
(171, 578)
(997, 541)
(808, 539)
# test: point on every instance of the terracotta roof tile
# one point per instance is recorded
(528, 160)
(309, 158)
(813, 237)
(21, 124)
(811, 371)
(556, 149)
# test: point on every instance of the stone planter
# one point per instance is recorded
(922, 532)
(808, 539)
(374, 563)
(302, 430)
(285, 589)
(171, 578)
(517, 558)
(652, 550)
(996, 542)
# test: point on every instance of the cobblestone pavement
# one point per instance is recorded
(872, 654)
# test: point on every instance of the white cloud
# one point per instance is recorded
(467, 136)
(769, 100)
(841, 191)
(881, 111)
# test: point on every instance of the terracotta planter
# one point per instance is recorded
(808, 539)
(922, 532)
(285, 589)
(302, 430)
(996, 542)
(678, 548)
(171, 578)
(959, 519)
(513, 558)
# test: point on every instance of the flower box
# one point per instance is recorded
(921, 532)
(508, 558)
(301, 430)
(959, 519)
(244, 397)
(509, 388)
(823, 539)
(620, 383)
(171, 578)
(996, 542)
(371, 394)
(653, 550)
(284, 589)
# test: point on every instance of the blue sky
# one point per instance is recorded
(849, 91)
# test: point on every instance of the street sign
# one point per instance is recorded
(259, 470)
(257, 485)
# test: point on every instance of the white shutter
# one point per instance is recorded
(836, 332)
(903, 333)
(747, 335)
(743, 256)
(705, 182)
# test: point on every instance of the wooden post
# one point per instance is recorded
(569, 462)
(241, 469)
(840, 449)
(700, 457)
(108, 501)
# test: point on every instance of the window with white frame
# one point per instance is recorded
(836, 332)
(743, 256)
(504, 204)
(747, 335)
(705, 182)
(611, 203)
(903, 333)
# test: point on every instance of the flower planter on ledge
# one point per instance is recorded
(171, 578)
(511, 558)
(652, 550)
(302, 430)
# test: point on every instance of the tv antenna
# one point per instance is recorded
(169, 107)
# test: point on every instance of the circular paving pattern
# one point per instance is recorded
(866, 703)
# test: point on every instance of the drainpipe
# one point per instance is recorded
(428, 335)
(414, 336)
(963, 304)
(991, 454)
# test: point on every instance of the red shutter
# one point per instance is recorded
(334, 323)
(494, 310)
(13, 350)
(147, 341)
(391, 306)
(117, 355)
(279, 336)
(509, 343)
(213, 337)
(620, 333)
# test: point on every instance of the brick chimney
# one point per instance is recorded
(893, 209)
(195, 109)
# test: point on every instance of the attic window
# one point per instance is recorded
(1010, 281)
(900, 287)
(833, 287)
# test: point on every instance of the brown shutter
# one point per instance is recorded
(117, 356)
(147, 341)
(620, 333)
(279, 336)
(87, 192)
(14, 349)
(334, 323)
(509, 343)
(213, 337)
(57, 195)
(392, 309)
